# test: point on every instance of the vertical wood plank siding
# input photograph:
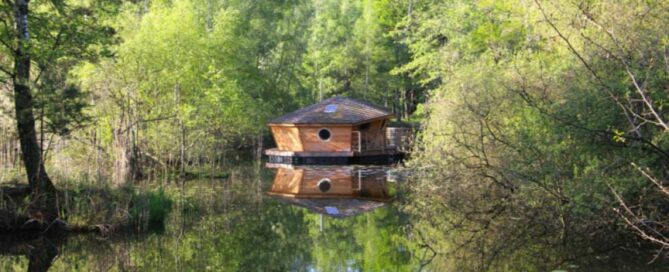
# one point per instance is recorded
(287, 138)
(340, 138)
(287, 181)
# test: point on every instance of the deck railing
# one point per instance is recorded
(393, 139)
(399, 138)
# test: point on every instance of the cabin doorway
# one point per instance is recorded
(369, 136)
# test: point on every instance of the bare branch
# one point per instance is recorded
(638, 87)
(652, 179)
(584, 62)
(634, 222)
(162, 118)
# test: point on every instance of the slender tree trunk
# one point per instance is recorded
(366, 79)
(182, 151)
(407, 102)
(120, 150)
(259, 147)
(209, 22)
(398, 105)
(182, 135)
(44, 193)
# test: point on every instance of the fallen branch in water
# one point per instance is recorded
(11, 222)
(102, 229)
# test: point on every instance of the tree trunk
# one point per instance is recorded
(182, 151)
(182, 135)
(122, 172)
(42, 255)
(398, 105)
(44, 193)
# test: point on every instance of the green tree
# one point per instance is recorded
(45, 34)
(541, 103)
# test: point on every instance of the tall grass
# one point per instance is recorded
(150, 209)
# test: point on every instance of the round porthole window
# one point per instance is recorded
(324, 185)
(324, 134)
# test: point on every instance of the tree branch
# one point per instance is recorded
(584, 62)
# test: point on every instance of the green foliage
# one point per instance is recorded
(348, 52)
(205, 77)
(149, 210)
(534, 106)
(62, 34)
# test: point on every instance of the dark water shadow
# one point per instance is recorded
(41, 250)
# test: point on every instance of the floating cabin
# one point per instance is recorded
(338, 130)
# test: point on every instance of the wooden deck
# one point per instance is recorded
(374, 157)
(277, 152)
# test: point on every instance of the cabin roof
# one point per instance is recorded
(342, 207)
(336, 110)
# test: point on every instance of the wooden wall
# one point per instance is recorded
(305, 137)
(340, 139)
(287, 138)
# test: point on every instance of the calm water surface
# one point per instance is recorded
(294, 219)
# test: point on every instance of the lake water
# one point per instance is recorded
(310, 219)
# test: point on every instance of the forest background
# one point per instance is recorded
(523, 105)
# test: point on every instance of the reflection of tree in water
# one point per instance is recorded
(270, 236)
(375, 241)
(231, 225)
(40, 250)
(478, 226)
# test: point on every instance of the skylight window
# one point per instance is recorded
(331, 108)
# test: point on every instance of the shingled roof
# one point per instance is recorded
(336, 110)
(342, 207)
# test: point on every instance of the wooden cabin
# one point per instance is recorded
(338, 130)
(330, 183)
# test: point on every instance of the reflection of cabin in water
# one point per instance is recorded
(338, 130)
(334, 191)
(331, 183)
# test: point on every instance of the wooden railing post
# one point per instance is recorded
(356, 141)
